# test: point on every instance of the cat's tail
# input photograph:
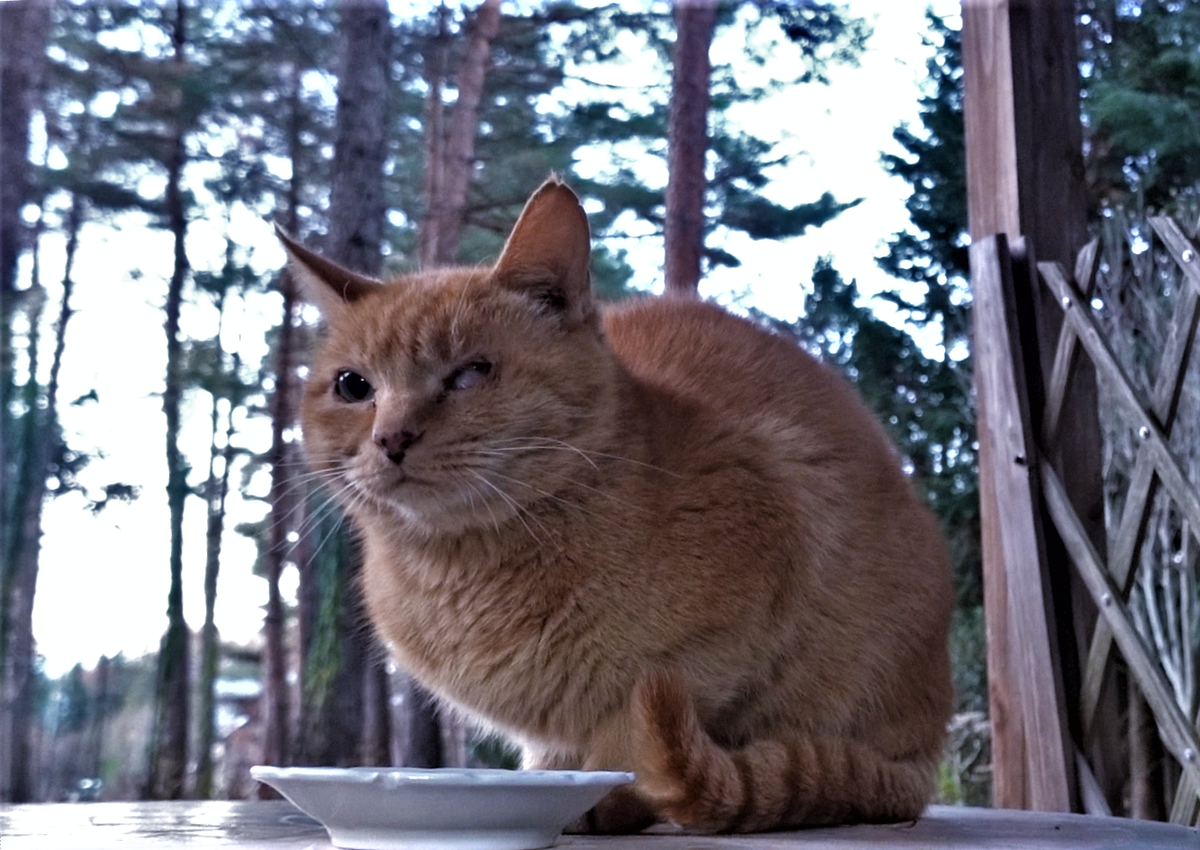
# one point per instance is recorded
(797, 781)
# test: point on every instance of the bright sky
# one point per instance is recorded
(103, 582)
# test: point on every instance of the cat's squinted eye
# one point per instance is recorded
(352, 387)
(466, 377)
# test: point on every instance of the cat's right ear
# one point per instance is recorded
(548, 254)
(324, 284)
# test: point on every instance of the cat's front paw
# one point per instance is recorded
(621, 812)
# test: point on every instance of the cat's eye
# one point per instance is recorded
(471, 375)
(351, 386)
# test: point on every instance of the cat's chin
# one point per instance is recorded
(435, 513)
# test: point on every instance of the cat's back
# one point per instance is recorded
(740, 372)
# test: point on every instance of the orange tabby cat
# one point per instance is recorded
(653, 537)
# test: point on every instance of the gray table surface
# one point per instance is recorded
(277, 825)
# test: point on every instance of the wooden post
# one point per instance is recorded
(1024, 179)
(1032, 757)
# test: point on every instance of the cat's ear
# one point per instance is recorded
(324, 283)
(548, 254)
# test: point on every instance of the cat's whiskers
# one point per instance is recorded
(474, 492)
(328, 506)
(518, 509)
(568, 502)
(552, 443)
(551, 496)
(301, 487)
(328, 509)
(499, 451)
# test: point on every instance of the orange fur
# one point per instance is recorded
(654, 537)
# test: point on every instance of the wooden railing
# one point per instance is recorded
(1028, 610)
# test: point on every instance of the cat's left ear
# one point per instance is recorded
(548, 255)
(324, 283)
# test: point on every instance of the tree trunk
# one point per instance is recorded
(356, 204)
(168, 759)
(39, 438)
(687, 145)
(356, 217)
(216, 489)
(285, 493)
(435, 142)
(24, 29)
(275, 709)
(424, 729)
(93, 748)
(449, 203)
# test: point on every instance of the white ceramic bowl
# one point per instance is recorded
(381, 808)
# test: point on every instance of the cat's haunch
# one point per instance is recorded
(652, 537)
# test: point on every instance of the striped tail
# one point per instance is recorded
(796, 781)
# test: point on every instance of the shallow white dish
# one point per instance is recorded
(387, 808)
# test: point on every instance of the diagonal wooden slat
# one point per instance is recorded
(1182, 336)
(1067, 350)
(1135, 408)
(1177, 733)
(1186, 808)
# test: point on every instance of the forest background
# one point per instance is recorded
(155, 141)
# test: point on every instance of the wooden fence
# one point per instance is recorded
(1067, 613)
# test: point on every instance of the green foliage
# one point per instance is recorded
(968, 654)
(493, 751)
(761, 219)
(322, 659)
(1141, 104)
(824, 33)
(934, 253)
(75, 703)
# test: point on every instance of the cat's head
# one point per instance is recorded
(457, 397)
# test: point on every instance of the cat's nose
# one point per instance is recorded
(395, 443)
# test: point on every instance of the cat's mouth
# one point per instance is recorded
(451, 501)
(386, 486)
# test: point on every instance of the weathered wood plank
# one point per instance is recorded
(1014, 552)
(1176, 731)
(1186, 808)
(989, 124)
(1177, 352)
(1004, 694)
(1066, 353)
(277, 825)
